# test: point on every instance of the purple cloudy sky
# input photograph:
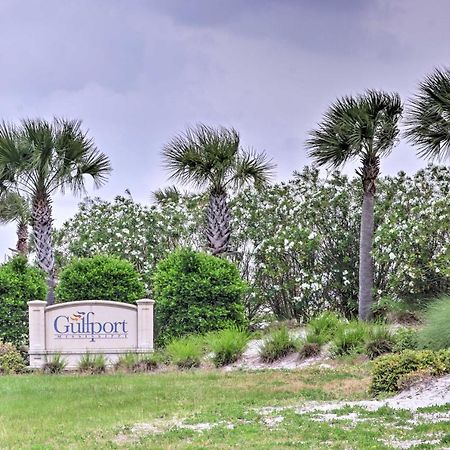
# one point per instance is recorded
(137, 72)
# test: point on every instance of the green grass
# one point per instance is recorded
(101, 411)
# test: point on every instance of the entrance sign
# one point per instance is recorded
(90, 326)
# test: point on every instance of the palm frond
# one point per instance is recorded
(252, 167)
(14, 208)
(428, 116)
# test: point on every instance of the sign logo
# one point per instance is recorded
(82, 325)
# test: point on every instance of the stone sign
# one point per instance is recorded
(91, 326)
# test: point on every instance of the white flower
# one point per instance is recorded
(391, 256)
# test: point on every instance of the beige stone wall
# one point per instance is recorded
(94, 326)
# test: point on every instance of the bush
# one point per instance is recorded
(227, 345)
(309, 349)
(196, 293)
(186, 352)
(92, 364)
(11, 361)
(389, 371)
(435, 335)
(405, 339)
(134, 362)
(349, 339)
(276, 345)
(99, 278)
(324, 326)
(55, 364)
(379, 340)
(19, 283)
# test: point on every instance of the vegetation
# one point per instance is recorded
(213, 159)
(379, 340)
(39, 158)
(11, 361)
(19, 283)
(389, 370)
(186, 352)
(435, 335)
(100, 278)
(134, 362)
(196, 293)
(322, 328)
(365, 128)
(55, 364)
(227, 345)
(349, 339)
(92, 364)
(428, 118)
(278, 344)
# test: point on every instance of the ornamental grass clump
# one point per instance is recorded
(186, 352)
(227, 345)
(435, 335)
(54, 364)
(134, 362)
(349, 339)
(276, 345)
(322, 328)
(92, 364)
(379, 340)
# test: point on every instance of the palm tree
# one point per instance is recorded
(363, 127)
(428, 116)
(15, 208)
(212, 157)
(39, 158)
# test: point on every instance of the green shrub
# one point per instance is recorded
(405, 339)
(379, 340)
(186, 352)
(11, 361)
(435, 335)
(276, 345)
(55, 364)
(324, 326)
(349, 339)
(388, 371)
(227, 345)
(100, 278)
(93, 364)
(196, 293)
(309, 349)
(19, 283)
(136, 362)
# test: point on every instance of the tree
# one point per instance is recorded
(212, 157)
(364, 127)
(15, 208)
(428, 116)
(39, 158)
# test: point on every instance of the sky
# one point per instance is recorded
(138, 72)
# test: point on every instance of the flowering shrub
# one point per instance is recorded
(295, 243)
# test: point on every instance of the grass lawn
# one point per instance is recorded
(201, 409)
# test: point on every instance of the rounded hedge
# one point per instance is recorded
(99, 278)
(19, 283)
(196, 293)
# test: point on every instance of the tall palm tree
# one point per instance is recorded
(15, 208)
(363, 127)
(428, 116)
(38, 158)
(212, 158)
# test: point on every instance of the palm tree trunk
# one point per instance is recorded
(365, 257)
(42, 229)
(22, 238)
(218, 229)
(369, 173)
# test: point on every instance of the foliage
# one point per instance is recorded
(186, 352)
(324, 326)
(137, 362)
(379, 340)
(388, 370)
(55, 364)
(349, 338)
(435, 335)
(405, 339)
(196, 293)
(12, 362)
(227, 345)
(278, 344)
(297, 263)
(19, 283)
(308, 349)
(100, 278)
(92, 364)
